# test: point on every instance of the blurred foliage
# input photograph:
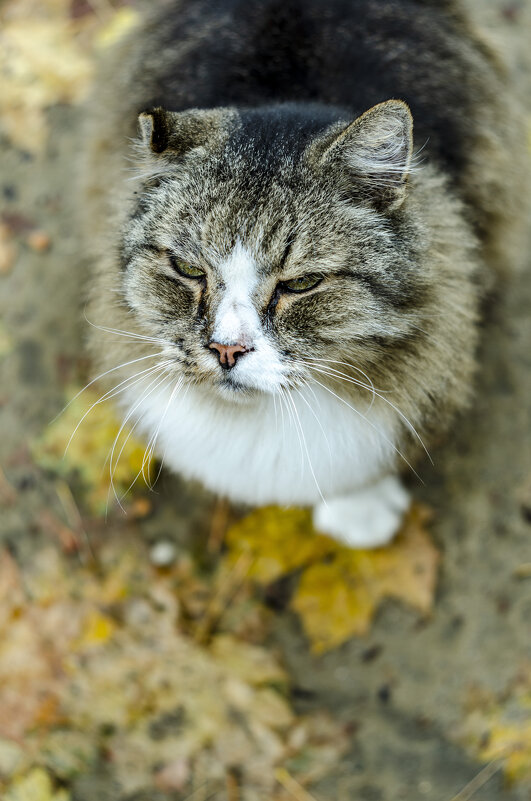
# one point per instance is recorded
(497, 726)
(87, 440)
(46, 58)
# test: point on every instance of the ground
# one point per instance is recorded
(420, 703)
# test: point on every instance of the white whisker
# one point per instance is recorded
(99, 377)
(111, 393)
(371, 424)
(298, 422)
(344, 377)
(157, 381)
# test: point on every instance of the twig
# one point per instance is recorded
(478, 781)
(292, 786)
(218, 526)
(73, 516)
(223, 597)
(233, 786)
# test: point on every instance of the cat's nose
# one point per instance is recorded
(228, 354)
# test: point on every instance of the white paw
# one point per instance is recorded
(368, 518)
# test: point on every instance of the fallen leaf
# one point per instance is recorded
(40, 64)
(497, 727)
(123, 21)
(337, 598)
(35, 786)
(277, 541)
(96, 658)
(47, 57)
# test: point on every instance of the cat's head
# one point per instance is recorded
(263, 241)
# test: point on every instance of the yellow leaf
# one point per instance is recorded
(120, 24)
(97, 631)
(278, 542)
(498, 727)
(73, 680)
(89, 450)
(35, 786)
(337, 599)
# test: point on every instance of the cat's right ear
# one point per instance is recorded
(174, 133)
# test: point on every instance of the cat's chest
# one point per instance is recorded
(288, 451)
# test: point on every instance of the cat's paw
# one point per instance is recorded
(369, 518)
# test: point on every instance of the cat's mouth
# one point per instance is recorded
(233, 389)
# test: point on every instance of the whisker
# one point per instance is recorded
(148, 454)
(128, 334)
(166, 448)
(325, 370)
(317, 419)
(298, 421)
(350, 366)
(291, 420)
(111, 393)
(99, 377)
(112, 468)
(410, 426)
(372, 425)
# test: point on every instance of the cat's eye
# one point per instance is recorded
(302, 284)
(188, 270)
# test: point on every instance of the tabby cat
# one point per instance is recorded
(291, 255)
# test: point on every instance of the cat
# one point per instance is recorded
(291, 256)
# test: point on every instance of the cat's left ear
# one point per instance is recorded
(172, 134)
(375, 150)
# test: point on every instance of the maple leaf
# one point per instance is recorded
(277, 542)
(338, 598)
(340, 589)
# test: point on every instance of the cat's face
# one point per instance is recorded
(256, 251)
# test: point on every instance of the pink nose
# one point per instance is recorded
(228, 353)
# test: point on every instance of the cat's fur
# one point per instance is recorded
(275, 141)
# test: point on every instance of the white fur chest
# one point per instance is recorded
(292, 452)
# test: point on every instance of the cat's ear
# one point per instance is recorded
(174, 133)
(375, 150)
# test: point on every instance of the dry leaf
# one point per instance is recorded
(97, 658)
(498, 727)
(337, 598)
(277, 541)
(340, 588)
(40, 64)
(35, 786)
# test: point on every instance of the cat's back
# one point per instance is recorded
(346, 53)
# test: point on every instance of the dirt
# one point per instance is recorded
(404, 687)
